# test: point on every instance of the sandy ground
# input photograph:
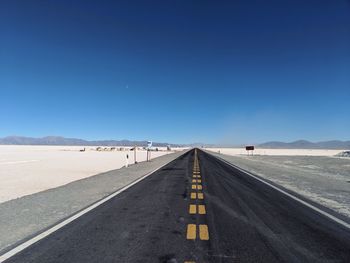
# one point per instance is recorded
(322, 179)
(26, 170)
(27, 215)
(279, 152)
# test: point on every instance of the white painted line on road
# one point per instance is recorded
(339, 221)
(44, 234)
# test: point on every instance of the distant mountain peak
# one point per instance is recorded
(304, 144)
(59, 140)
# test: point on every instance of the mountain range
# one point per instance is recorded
(303, 144)
(59, 140)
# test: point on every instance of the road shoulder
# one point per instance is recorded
(24, 217)
(315, 191)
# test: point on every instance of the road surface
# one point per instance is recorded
(196, 209)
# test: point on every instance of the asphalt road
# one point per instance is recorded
(196, 209)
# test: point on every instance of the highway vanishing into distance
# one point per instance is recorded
(196, 209)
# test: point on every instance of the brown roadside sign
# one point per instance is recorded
(249, 148)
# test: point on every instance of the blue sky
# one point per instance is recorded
(176, 71)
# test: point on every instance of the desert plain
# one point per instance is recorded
(25, 170)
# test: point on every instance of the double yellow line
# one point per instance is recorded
(197, 208)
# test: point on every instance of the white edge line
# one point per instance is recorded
(44, 234)
(339, 221)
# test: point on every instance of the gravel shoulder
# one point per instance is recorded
(23, 217)
(324, 180)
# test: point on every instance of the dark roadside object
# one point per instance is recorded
(250, 148)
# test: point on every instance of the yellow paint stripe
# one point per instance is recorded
(199, 181)
(200, 196)
(201, 209)
(203, 232)
(199, 187)
(193, 195)
(193, 209)
(189, 261)
(194, 187)
(191, 231)
(194, 181)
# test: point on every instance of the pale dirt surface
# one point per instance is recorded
(324, 180)
(278, 152)
(25, 216)
(26, 170)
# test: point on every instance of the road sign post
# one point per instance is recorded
(250, 148)
(127, 160)
(135, 161)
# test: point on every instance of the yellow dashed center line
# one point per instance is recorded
(203, 232)
(191, 231)
(200, 196)
(193, 209)
(201, 209)
(195, 195)
(196, 180)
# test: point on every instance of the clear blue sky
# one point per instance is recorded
(176, 71)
